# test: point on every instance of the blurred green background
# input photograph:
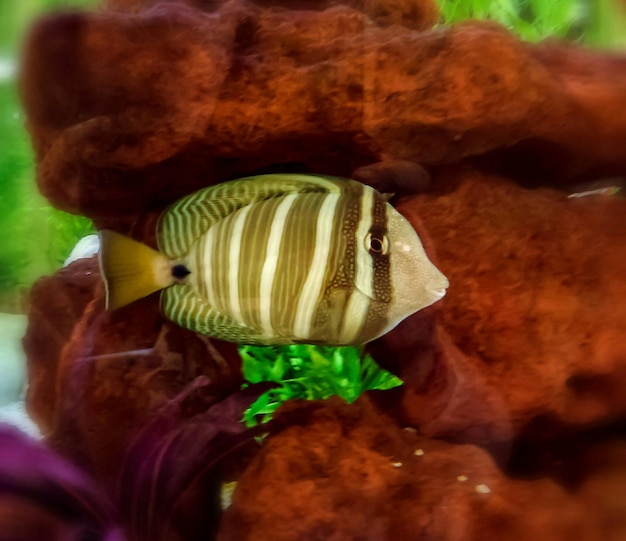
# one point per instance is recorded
(597, 23)
(36, 238)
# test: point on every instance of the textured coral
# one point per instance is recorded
(346, 472)
(95, 377)
(531, 324)
(123, 104)
(53, 314)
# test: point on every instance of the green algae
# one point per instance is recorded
(310, 373)
(599, 23)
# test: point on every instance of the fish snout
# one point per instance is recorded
(429, 286)
(439, 289)
(415, 281)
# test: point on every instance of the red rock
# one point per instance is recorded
(603, 487)
(414, 14)
(21, 520)
(95, 377)
(56, 304)
(348, 472)
(391, 176)
(531, 324)
(129, 112)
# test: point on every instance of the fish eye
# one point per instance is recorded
(376, 244)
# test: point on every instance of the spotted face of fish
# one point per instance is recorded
(282, 259)
(416, 282)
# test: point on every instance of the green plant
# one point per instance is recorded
(311, 373)
(606, 24)
(531, 19)
(597, 22)
(36, 237)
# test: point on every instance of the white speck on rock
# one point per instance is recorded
(396, 464)
(462, 478)
(482, 489)
(419, 452)
(226, 494)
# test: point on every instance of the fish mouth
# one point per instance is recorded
(439, 293)
(442, 287)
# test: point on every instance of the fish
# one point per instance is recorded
(278, 259)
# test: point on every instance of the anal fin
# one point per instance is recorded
(183, 306)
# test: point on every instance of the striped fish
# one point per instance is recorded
(278, 259)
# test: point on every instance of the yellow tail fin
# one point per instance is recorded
(130, 270)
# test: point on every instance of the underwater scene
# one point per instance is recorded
(346, 270)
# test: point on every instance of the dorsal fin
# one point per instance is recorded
(187, 219)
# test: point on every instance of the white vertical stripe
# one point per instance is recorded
(364, 262)
(233, 263)
(358, 304)
(311, 291)
(271, 260)
(354, 317)
(221, 288)
(208, 247)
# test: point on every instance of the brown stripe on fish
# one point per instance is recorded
(269, 269)
(253, 251)
(358, 303)
(340, 269)
(236, 240)
(314, 285)
(262, 233)
(381, 260)
(294, 260)
(376, 318)
(237, 268)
